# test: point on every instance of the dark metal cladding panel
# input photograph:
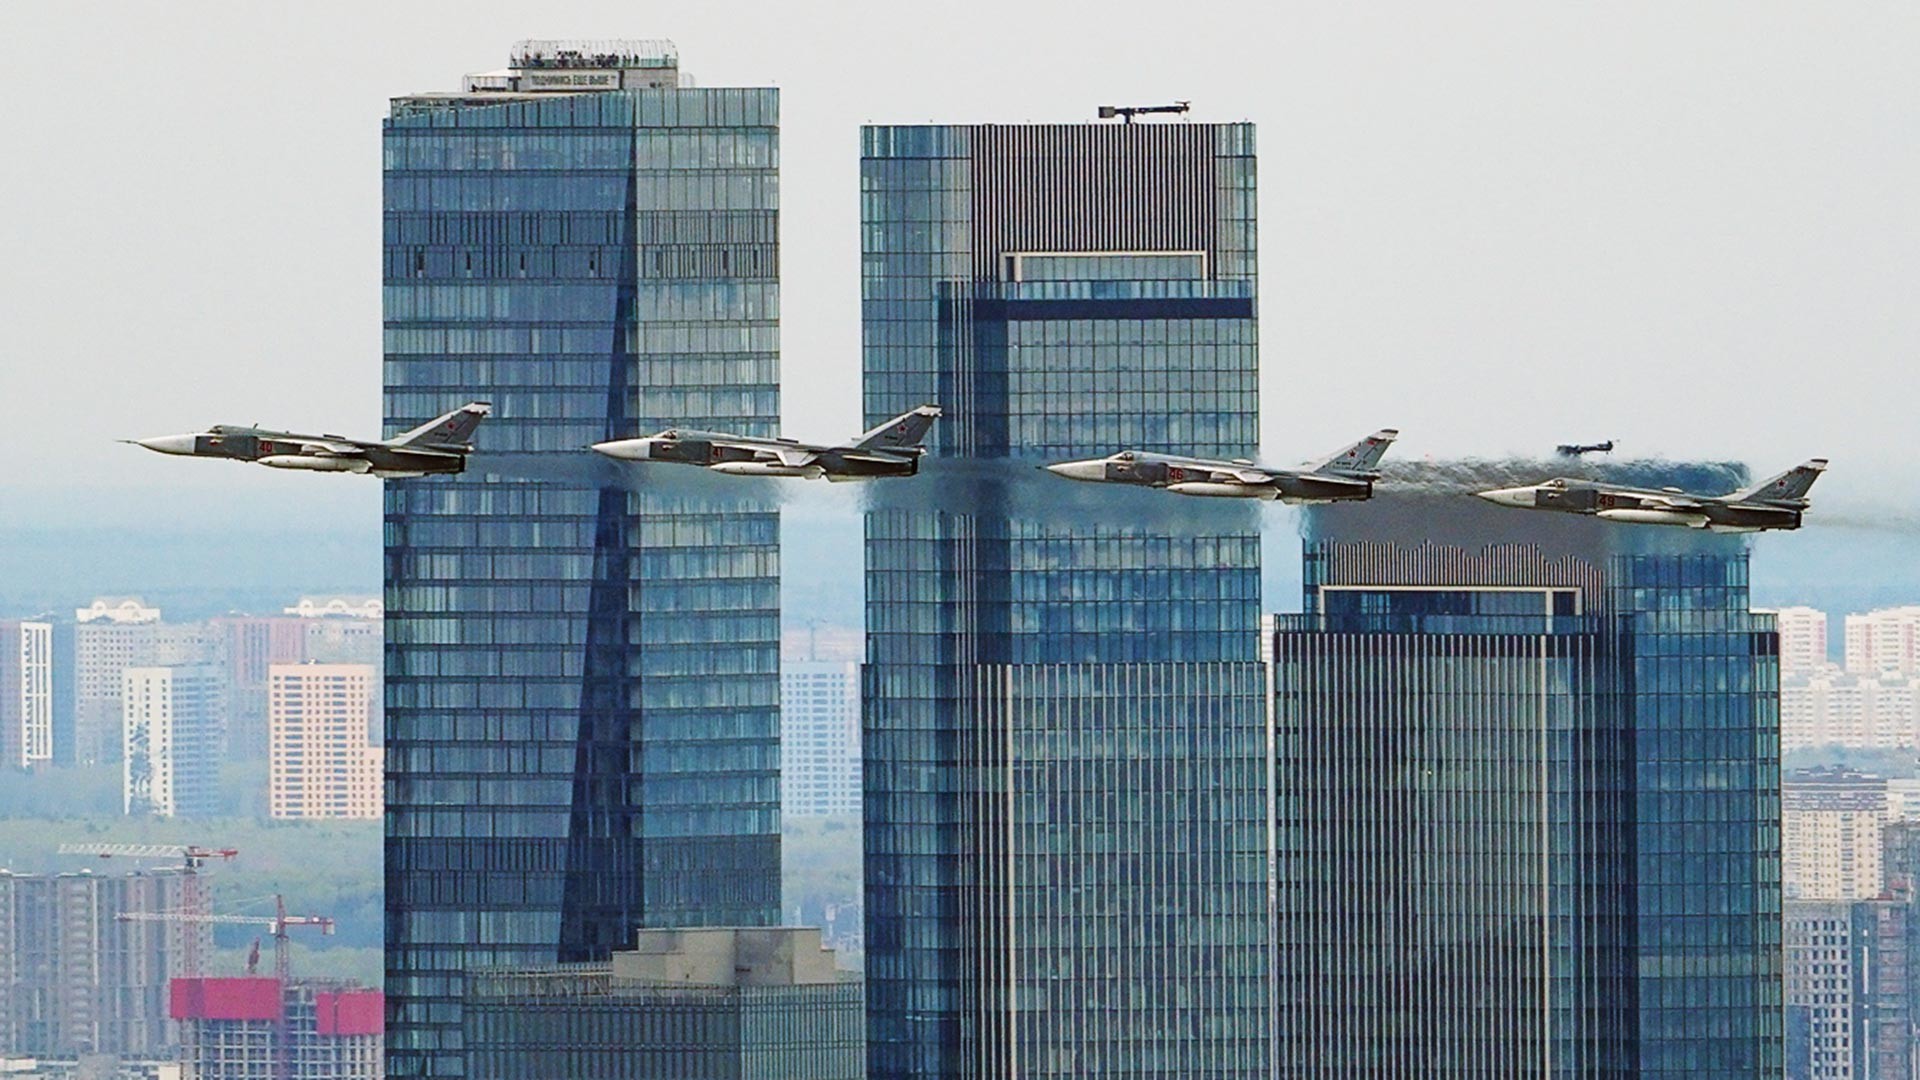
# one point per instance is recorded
(1078, 187)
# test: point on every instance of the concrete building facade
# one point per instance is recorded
(249, 645)
(819, 738)
(108, 638)
(257, 1029)
(174, 730)
(1847, 982)
(1831, 833)
(720, 1003)
(1886, 641)
(26, 694)
(323, 762)
(74, 979)
(1829, 707)
(1803, 641)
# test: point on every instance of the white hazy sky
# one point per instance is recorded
(1690, 227)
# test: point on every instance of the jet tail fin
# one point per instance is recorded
(1360, 459)
(1789, 487)
(903, 432)
(450, 431)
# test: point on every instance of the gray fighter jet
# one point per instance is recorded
(439, 446)
(1343, 476)
(892, 449)
(1777, 503)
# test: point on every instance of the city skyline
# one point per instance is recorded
(1080, 779)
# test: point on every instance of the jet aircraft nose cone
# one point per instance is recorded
(1080, 470)
(1520, 496)
(623, 449)
(168, 444)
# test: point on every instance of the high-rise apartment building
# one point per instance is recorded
(174, 725)
(249, 645)
(819, 737)
(1884, 642)
(1063, 724)
(110, 636)
(1803, 640)
(582, 676)
(1832, 708)
(74, 978)
(323, 762)
(725, 1003)
(1847, 982)
(250, 1028)
(1526, 801)
(26, 694)
(1831, 819)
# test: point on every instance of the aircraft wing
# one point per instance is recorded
(1242, 476)
(332, 449)
(1672, 502)
(796, 456)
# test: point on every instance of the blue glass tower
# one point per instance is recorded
(1527, 800)
(582, 676)
(1063, 716)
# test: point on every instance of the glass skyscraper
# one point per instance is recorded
(582, 675)
(1527, 800)
(1063, 718)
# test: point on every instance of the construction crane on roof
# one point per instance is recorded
(278, 924)
(1128, 112)
(186, 858)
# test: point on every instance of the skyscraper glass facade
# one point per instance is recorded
(582, 675)
(1527, 804)
(1063, 717)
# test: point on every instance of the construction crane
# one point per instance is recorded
(278, 923)
(1128, 112)
(188, 859)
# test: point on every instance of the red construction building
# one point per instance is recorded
(254, 1029)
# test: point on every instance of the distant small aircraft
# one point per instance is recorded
(892, 449)
(438, 447)
(1343, 476)
(1777, 503)
(1577, 449)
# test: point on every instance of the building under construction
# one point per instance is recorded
(260, 1028)
(74, 978)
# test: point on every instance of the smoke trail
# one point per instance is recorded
(1421, 502)
(1017, 489)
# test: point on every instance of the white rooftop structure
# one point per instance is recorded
(118, 609)
(338, 607)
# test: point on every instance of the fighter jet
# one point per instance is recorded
(892, 449)
(439, 446)
(1347, 474)
(1777, 503)
(1580, 449)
